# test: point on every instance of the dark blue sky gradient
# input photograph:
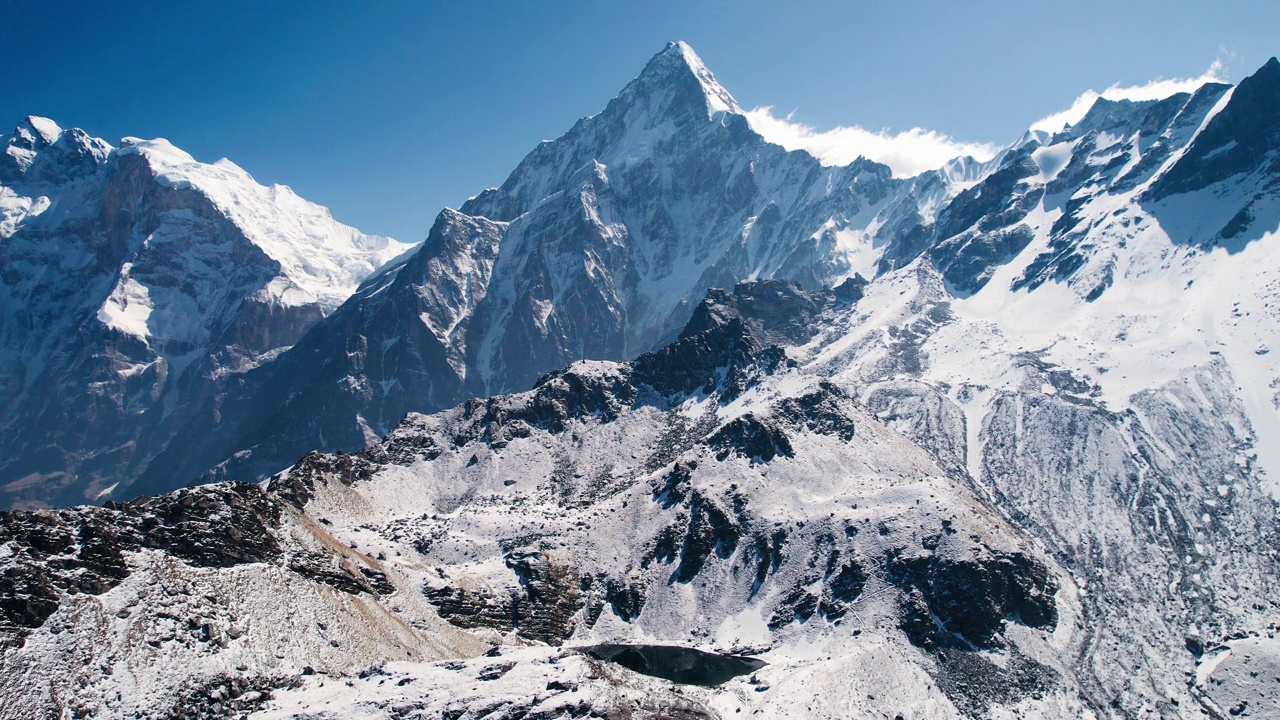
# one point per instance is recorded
(385, 112)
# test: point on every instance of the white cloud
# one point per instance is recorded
(914, 151)
(908, 153)
(1154, 90)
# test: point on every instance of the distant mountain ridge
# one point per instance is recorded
(137, 283)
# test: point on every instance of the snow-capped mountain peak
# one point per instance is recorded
(39, 150)
(674, 97)
(321, 257)
(674, 88)
(46, 129)
(996, 440)
(675, 67)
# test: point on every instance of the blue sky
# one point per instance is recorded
(388, 113)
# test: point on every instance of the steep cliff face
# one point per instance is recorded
(136, 283)
(402, 340)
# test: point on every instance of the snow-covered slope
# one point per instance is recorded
(206, 597)
(1107, 382)
(709, 494)
(135, 280)
(888, 539)
(318, 256)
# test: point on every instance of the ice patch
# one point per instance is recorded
(129, 306)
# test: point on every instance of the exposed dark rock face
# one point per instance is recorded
(981, 229)
(472, 609)
(820, 411)
(217, 526)
(767, 554)
(1243, 137)
(969, 260)
(228, 697)
(556, 398)
(850, 291)
(551, 596)
(777, 312)
(351, 578)
(680, 435)
(675, 486)
(965, 603)
(975, 684)
(798, 605)
(759, 439)
(541, 608)
(298, 485)
(719, 352)
(843, 588)
(732, 337)
(722, 358)
(711, 530)
(84, 550)
(625, 597)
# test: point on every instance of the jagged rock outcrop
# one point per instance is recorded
(59, 553)
(197, 603)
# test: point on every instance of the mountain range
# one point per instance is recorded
(998, 440)
(137, 286)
